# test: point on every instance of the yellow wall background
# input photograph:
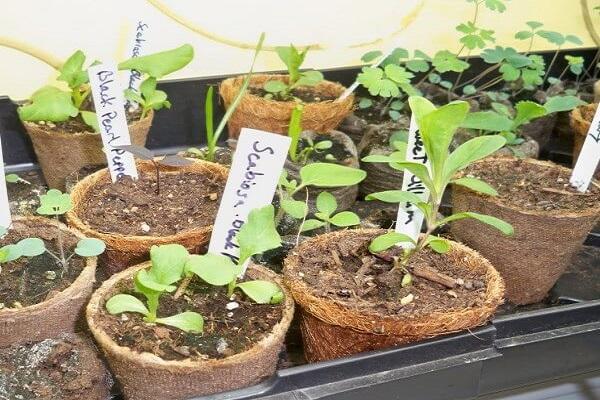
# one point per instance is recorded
(222, 30)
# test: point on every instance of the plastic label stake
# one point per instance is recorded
(410, 218)
(5, 218)
(587, 162)
(257, 164)
(110, 111)
(138, 47)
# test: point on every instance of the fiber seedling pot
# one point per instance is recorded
(62, 153)
(126, 249)
(342, 144)
(345, 322)
(59, 311)
(145, 376)
(581, 120)
(547, 233)
(274, 116)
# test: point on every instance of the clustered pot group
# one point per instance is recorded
(356, 289)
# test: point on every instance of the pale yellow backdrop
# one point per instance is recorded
(222, 31)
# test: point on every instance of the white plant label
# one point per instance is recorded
(589, 157)
(138, 47)
(257, 164)
(410, 218)
(110, 111)
(5, 218)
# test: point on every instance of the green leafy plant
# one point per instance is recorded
(148, 155)
(437, 127)
(310, 147)
(14, 178)
(326, 215)
(293, 59)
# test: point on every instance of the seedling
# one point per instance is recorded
(295, 131)
(145, 154)
(14, 178)
(437, 128)
(326, 216)
(293, 60)
(29, 247)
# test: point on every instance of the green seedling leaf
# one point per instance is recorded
(488, 121)
(553, 37)
(434, 78)
(562, 103)
(438, 244)
(534, 24)
(275, 86)
(187, 321)
(168, 262)
(31, 247)
(398, 74)
(311, 224)
(90, 247)
(12, 178)
(470, 151)
(258, 234)
(262, 292)
(215, 269)
(394, 115)
(502, 226)
(417, 169)
(397, 105)
(395, 196)
(365, 103)
(121, 303)
(48, 104)
(330, 175)
(574, 40)
(162, 63)
(372, 78)
(54, 202)
(72, 71)
(152, 98)
(387, 240)
(502, 110)
(523, 35)
(326, 203)
(91, 120)
(417, 65)
(293, 59)
(469, 90)
(445, 61)
(323, 145)
(144, 280)
(295, 208)
(527, 111)
(371, 56)
(495, 5)
(395, 157)
(345, 218)
(310, 78)
(477, 185)
(509, 73)
(10, 253)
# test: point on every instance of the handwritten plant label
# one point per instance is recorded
(589, 157)
(257, 164)
(410, 219)
(138, 48)
(5, 218)
(110, 111)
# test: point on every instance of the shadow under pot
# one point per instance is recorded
(321, 112)
(236, 351)
(581, 120)
(132, 216)
(40, 298)
(352, 301)
(540, 130)
(551, 220)
(344, 151)
(65, 147)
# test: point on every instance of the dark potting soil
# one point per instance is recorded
(534, 187)
(345, 271)
(305, 94)
(337, 150)
(31, 280)
(186, 201)
(226, 332)
(23, 196)
(65, 368)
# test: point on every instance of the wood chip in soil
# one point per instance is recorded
(186, 201)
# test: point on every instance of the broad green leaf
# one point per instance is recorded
(326, 203)
(398, 74)
(534, 24)
(293, 59)
(168, 261)
(487, 121)
(215, 269)
(309, 78)
(470, 151)
(395, 196)
(91, 120)
(495, 5)
(262, 292)
(372, 79)
(295, 208)
(562, 103)
(31, 247)
(330, 175)
(523, 35)
(311, 224)
(162, 63)
(258, 234)
(417, 65)
(387, 240)
(371, 56)
(477, 185)
(323, 145)
(90, 247)
(275, 86)
(54, 202)
(574, 40)
(527, 111)
(133, 96)
(49, 104)
(72, 71)
(153, 98)
(397, 105)
(187, 321)
(497, 223)
(345, 218)
(12, 178)
(10, 253)
(395, 157)
(365, 103)
(121, 303)
(147, 281)
(469, 90)
(553, 37)
(445, 61)
(417, 169)
(394, 115)
(509, 73)
(438, 244)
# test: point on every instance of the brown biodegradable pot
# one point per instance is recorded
(532, 260)
(346, 195)
(146, 376)
(581, 120)
(59, 313)
(63, 153)
(274, 116)
(123, 251)
(540, 129)
(331, 329)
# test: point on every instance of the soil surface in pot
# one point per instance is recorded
(54, 369)
(23, 196)
(226, 332)
(337, 150)
(76, 125)
(534, 187)
(186, 201)
(345, 271)
(306, 94)
(31, 280)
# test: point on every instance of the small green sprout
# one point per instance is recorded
(325, 215)
(14, 178)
